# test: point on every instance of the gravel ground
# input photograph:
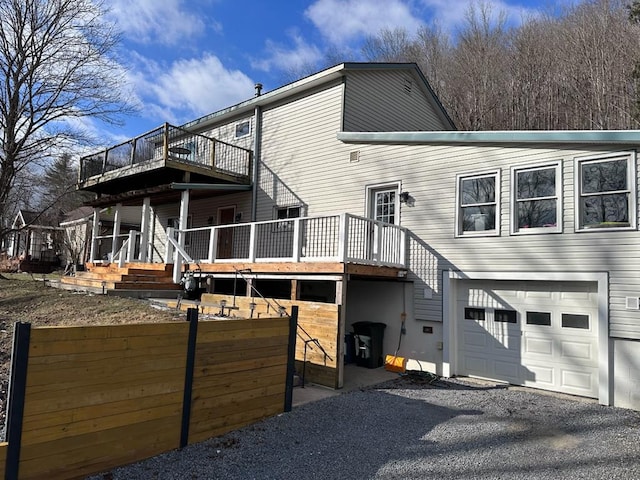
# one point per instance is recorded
(407, 429)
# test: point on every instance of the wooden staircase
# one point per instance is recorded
(102, 278)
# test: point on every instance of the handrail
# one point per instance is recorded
(283, 310)
(119, 256)
(342, 238)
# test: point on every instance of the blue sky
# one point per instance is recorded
(187, 58)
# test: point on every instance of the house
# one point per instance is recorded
(33, 245)
(502, 255)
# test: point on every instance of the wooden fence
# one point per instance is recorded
(316, 320)
(87, 399)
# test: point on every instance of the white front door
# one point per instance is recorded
(539, 334)
(384, 207)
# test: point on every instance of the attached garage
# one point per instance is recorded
(546, 334)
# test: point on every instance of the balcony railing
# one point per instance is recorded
(337, 238)
(169, 143)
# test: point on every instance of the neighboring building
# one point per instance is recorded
(504, 255)
(32, 245)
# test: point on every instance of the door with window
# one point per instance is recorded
(383, 207)
(226, 216)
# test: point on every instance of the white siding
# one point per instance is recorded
(201, 211)
(386, 101)
(227, 132)
(429, 174)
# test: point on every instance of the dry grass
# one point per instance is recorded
(24, 298)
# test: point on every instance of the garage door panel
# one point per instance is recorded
(506, 370)
(475, 339)
(577, 351)
(580, 381)
(538, 346)
(475, 365)
(540, 375)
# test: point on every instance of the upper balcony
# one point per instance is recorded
(162, 156)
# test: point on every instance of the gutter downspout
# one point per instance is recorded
(257, 144)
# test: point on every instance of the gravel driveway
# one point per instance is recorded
(407, 429)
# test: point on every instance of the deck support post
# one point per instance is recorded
(343, 238)
(95, 232)
(144, 229)
(182, 226)
(117, 220)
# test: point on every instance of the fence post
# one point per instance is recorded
(291, 358)
(16, 394)
(192, 318)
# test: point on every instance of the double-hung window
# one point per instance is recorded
(537, 203)
(606, 192)
(478, 204)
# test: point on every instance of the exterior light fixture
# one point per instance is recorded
(404, 197)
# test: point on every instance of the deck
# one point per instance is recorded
(161, 156)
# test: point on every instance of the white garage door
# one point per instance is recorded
(539, 334)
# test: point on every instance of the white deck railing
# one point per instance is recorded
(336, 238)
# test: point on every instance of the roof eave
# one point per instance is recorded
(617, 137)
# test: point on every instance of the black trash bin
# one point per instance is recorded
(349, 348)
(368, 343)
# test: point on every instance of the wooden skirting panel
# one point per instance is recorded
(103, 396)
(318, 320)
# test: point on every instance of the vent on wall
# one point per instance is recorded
(354, 156)
(408, 85)
(633, 303)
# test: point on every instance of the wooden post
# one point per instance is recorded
(16, 396)
(291, 358)
(192, 318)
(295, 288)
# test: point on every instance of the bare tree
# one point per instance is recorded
(57, 67)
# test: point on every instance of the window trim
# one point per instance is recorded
(280, 224)
(237, 124)
(495, 232)
(557, 165)
(370, 190)
(630, 157)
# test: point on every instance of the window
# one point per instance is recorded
(506, 316)
(606, 192)
(385, 206)
(474, 313)
(478, 206)
(243, 129)
(570, 320)
(539, 318)
(282, 213)
(536, 199)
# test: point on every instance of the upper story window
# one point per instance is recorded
(537, 204)
(606, 192)
(243, 128)
(478, 204)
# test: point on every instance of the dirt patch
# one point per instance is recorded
(26, 298)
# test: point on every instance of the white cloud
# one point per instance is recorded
(166, 22)
(188, 88)
(288, 59)
(451, 14)
(342, 21)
